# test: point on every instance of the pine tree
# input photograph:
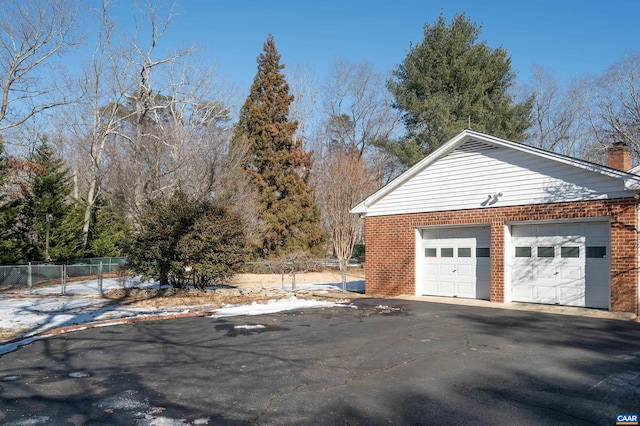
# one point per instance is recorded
(449, 80)
(278, 165)
(11, 244)
(108, 232)
(46, 206)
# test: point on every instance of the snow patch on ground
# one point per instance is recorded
(272, 306)
(250, 326)
(46, 309)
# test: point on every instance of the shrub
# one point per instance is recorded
(184, 240)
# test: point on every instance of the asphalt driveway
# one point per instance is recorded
(378, 362)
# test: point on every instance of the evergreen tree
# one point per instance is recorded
(277, 163)
(449, 80)
(108, 233)
(46, 206)
(11, 244)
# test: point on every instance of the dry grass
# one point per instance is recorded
(201, 299)
(7, 334)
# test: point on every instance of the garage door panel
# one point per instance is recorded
(466, 270)
(466, 289)
(432, 269)
(571, 296)
(545, 272)
(597, 296)
(431, 286)
(523, 292)
(571, 273)
(522, 274)
(566, 274)
(447, 288)
(454, 270)
(544, 294)
(447, 269)
(597, 276)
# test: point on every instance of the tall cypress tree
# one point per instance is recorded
(277, 163)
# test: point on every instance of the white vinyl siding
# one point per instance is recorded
(466, 177)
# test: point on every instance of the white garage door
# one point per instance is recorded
(562, 263)
(456, 262)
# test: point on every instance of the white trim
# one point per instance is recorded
(561, 220)
(506, 252)
(456, 226)
(418, 252)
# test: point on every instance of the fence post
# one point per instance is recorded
(100, 277)
(29, 278)
(63, 278)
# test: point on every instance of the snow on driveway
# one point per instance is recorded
(31, 316)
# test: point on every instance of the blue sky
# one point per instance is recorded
(573, 38)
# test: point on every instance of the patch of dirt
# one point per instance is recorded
(211, 299)
(326, 276)
(242, 289)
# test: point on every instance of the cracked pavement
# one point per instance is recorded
(377, 362)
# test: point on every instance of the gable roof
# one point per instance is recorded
(473, 140)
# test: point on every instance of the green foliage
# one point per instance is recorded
(66, 236)
(213, 247)
(183, 239)
(46, 205)
(12, 246)
(109, 233)
(448, 80)
(278, 165)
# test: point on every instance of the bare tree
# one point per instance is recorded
(146, 125)
(357, 107)
(345, 179)
(611, 104)
(171, 119)
(556, 121)
(32, 36)
(357, 115)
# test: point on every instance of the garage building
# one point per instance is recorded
(487, 218)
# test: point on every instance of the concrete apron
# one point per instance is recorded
(519, 306)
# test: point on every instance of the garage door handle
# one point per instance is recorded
(556, 273)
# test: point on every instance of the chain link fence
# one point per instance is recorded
(38, 275)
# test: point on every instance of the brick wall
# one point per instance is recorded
(391, 244)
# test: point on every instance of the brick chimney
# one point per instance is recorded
(619, 156)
